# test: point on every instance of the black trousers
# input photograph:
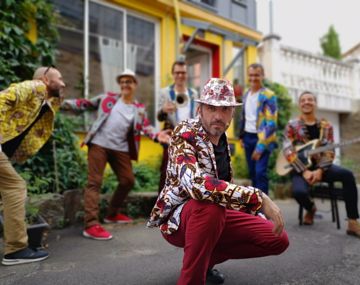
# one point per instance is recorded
(334, 174)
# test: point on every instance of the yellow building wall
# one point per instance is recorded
(32, 34)
(164, 12)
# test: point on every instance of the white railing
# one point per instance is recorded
(335, 82)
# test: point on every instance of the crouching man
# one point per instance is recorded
(200, 209)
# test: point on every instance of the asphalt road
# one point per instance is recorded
(318, 254)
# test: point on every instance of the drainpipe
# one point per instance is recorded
(86, 57)
(179, 41)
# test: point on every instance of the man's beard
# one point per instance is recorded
(54, 93)
(215, 131)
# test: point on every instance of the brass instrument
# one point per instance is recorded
(181, 100)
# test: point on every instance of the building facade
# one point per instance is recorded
(335, 83)
(98, 39)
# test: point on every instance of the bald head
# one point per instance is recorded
(39, 72)
(52, 79)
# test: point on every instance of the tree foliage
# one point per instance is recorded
(330, 44)
(19, 56)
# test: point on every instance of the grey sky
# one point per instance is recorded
(301, 23)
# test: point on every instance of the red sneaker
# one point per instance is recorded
(117, 219)
(97, 232)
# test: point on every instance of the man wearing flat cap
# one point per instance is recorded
(200, 209)
(114, 138)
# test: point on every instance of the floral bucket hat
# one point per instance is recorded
(218, 92)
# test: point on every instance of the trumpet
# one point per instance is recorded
(181, 100)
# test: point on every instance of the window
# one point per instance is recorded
(70, 52)
(240, 2)
(209, 2)
(239, 85)
(117, 39)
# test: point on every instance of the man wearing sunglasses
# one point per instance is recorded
(114, 137)
(27, 112)
(176, 103)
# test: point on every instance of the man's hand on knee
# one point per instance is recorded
(273, 212)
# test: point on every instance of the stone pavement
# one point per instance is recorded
(318, 254)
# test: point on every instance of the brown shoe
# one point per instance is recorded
(353, 228)
(309, 216)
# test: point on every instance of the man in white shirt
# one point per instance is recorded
(258, 127)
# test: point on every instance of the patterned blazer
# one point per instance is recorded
(20, 105)
(103, 104)
(266, 123)
(192, 174)
(296, 134)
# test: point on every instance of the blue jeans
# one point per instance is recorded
(257, 168)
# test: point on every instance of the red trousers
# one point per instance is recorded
(211, 234)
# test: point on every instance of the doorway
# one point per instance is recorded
(199, 62)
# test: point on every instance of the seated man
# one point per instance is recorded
(200, 209)
(302, 130)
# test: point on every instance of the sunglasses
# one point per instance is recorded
(48, 68)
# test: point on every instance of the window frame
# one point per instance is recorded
(136, 14)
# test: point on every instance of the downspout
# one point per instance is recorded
(179, 40)
(86, 58)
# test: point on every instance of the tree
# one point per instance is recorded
(330, 44)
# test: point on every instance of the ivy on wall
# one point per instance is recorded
(19, 56)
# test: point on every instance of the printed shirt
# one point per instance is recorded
(192, 174)
(296, 134)
(20, 105)
(104, 104)
(266, 122)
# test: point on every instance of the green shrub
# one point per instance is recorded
(239, 166)
(147, 179)
(285, 108)
(60, 153)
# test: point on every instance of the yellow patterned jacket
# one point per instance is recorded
(20, 105)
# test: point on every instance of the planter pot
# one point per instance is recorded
(36, 231)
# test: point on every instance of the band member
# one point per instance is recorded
(302, 130)
(114, 137)
(176, 103)
(27, 111)
(258, 127)
(200, 209)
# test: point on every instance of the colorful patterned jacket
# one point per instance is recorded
(296, 134)
(192, 174)
(20, 104)
(266, 124)
(103, 104)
